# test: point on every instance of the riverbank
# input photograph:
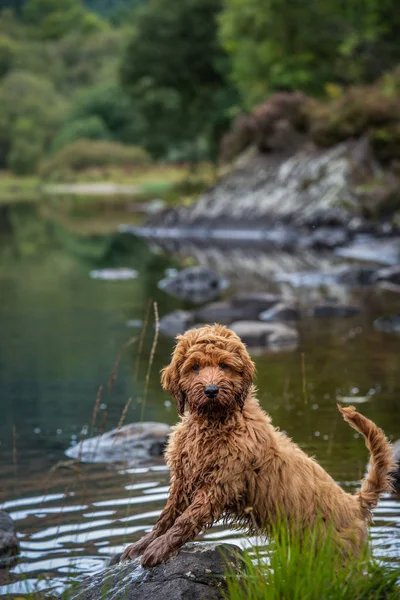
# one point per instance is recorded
(168, 182)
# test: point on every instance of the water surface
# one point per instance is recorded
(60, 332)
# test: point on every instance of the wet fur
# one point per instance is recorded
(228, 461)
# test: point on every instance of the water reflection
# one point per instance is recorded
(60, 334)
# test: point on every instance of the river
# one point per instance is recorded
(60, 333)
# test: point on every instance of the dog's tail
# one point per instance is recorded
(378, 478)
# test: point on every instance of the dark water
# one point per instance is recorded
(60, 332)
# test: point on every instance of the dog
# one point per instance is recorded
(228, 461)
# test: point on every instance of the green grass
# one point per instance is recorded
(18, 189)
(295, 570)
(173, 183)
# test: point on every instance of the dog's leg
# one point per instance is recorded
(175, 506)
(203, 511)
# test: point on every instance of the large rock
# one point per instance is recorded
(258, 335)
(195, 284)
(283, 311)
(313, 186)
(389, 324)
(176, 322)
(219, 312)
(196, 573)
(327, 310)
(128, 444)
(255, 303)
(391, 274)
(9, 546)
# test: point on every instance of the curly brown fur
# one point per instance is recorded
(228, 461)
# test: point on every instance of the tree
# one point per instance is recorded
(176, 73)
(286, 44)
(52, 19)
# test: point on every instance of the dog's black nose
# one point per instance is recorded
(211, 391)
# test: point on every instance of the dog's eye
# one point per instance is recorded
(196, 368)
(223, 366)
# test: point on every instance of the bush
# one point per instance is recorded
(91, 128)
(26, 148)
(86, 154)
(272, 125)
(112, 106)
(8, 52)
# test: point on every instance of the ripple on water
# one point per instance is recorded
(66, 536)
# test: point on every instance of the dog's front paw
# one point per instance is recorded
(157, 553)
(137, 549)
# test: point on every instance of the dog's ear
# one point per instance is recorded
(247, 381)
(170, 383)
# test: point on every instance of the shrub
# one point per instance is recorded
(85, 154)
(271, 125)
(26, 148)
(91, 128)
(112, 106)
(8, 52)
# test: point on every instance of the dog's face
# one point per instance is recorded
(210, 373)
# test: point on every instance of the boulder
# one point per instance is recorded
(132, 443)
(391, 274)
(194, 284)
(283, 311)
(275, 336)
(334, 310)
(326, 237)
(9, 546)
(255, 303)
(219, 312)
(197, 572)
(389, 324)
(176, 322)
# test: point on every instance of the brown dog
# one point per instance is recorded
(228, 461)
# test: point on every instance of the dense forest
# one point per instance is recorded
(82, 81)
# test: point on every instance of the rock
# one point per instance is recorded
(114, 274)
(389, 324)
(396, 473)
(312, 186)
(356, 276)
(326, 237)
(369, 249)
(256, 334)
(254, 304)
(195, 284)
(334, 310)
(176, 322)
(197, 572)
(130, 444)
(284, 311)
(391, 274)
(9, 546)
(219, 312)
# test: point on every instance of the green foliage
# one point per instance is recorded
(307, 569)
(8, 52)
(52, 19)
(86, 154)
(26, 147)
(111, 105)
(175, 72)
(373, 110)
(26, 96)
(91, 128)
(289, 45)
